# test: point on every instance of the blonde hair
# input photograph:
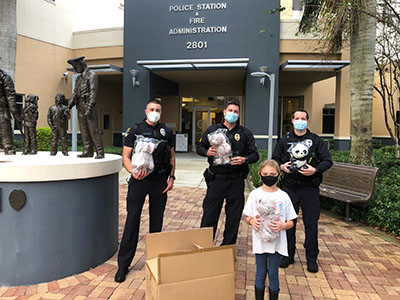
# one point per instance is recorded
(270, 163)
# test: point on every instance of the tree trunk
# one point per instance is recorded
(8, 35)
(361, 85)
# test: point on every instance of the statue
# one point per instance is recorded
(8, 107)
(84, 97)
(57, 118)
(30, 115)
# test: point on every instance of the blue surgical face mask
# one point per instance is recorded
(300, 125)
(231, 117)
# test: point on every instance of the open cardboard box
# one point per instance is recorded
(185, 265)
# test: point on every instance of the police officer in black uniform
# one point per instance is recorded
(301, 182)
(155, 184)
(226, 181)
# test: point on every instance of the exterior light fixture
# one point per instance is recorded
(262, 74)
(134, 74)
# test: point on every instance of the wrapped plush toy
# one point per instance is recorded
(143, 156)
(268, 211)
(219, 139)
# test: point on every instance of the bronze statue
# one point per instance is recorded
(30, 115)
(8, 107)
(84, 97)
(57, 118)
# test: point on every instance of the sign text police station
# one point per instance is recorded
(197, 23)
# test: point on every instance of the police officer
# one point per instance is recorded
(226, 181)
(155, 184)
(302, 177)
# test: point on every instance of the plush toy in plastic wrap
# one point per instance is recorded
(299, 155)
(268, 211)
(142, 158)
(219, 139)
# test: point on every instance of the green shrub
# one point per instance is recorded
(113, 150)
(19, 145)
(43, 136)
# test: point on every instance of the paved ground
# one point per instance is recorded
(354, 264)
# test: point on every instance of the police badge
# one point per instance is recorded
(162, 131)
(237, 137)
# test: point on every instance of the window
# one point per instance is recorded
(296, 5)
(328, 120)
(106, 122)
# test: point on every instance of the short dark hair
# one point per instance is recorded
(232, 102)
(154, 101)
(301, 110)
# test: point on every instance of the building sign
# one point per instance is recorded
(181, 142)
(197, 23)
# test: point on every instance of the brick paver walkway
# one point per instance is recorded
(354, 264)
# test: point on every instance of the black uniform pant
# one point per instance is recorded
(217, 190)
(152, 185)
(307, 197)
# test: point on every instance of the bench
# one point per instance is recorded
(348, 183)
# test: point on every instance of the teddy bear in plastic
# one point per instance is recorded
(143, 158)
(224, 150)
(268, 211)
(298, 157)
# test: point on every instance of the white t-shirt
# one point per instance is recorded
(286, 213)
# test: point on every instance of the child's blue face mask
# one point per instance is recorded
(231, 117)
(300, 125)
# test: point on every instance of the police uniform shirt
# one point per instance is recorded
(242, 143)
(160, 131)
(318, 154)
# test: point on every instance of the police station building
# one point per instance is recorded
(193, 56)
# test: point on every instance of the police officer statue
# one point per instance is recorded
(226, 180)
(155, 184)
(303, 157)
(84, 97)
(8, 107)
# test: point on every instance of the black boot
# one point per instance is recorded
(259, 293)
(273, 295)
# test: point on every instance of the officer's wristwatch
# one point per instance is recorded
(246, 159)
(172, 176)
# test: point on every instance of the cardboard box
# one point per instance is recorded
(184, 265)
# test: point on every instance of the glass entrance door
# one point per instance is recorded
(198, 113)
(287, 105)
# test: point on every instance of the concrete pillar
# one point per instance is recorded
(342, 110)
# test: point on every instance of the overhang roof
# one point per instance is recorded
(309, 71)
(312, 65)
(195, 64)
(104, 69)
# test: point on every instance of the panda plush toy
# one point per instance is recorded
(298, 156)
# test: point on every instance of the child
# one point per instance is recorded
(57, 118)
(269, 246)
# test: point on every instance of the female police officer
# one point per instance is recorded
(155, 184)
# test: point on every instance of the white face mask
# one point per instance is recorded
(153, 116)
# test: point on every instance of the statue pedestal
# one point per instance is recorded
(69, 222)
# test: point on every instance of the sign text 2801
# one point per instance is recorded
(196, 45)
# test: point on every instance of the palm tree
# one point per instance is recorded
(8, 35)
(354, 21)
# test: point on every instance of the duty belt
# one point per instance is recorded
(230, 176)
